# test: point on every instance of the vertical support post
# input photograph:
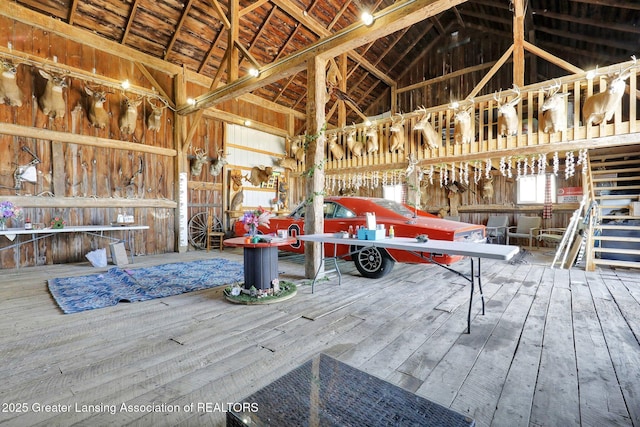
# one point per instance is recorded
(180, 165)
(518, 42)
(314, 163)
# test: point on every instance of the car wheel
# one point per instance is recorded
(373, 263)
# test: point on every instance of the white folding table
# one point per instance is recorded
(425, 250)
(95, 230)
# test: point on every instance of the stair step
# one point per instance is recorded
(604, 162)
(619, 217)
(608, 171)
(616, 263)
(618, 179)
(633, 197)
(626, 239)
(617, 251)
(618, 188)
(624, 227)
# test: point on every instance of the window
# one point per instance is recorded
(393, 192)
(531, 189)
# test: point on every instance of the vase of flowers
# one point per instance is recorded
(8, 210)
(253, 219)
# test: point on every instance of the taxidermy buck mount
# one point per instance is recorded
(507, 114)
(51, 101)
(129, 115)
(98, 116)
(430, 137)
(197, 162)
(600, 107)
(462, 129)
(9, 90)
(554, 110)
(217, 164)
(155, 116)
(356, 147)
(397, 138)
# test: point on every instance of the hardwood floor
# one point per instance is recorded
(555, 347)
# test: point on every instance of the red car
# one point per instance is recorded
(342, 212)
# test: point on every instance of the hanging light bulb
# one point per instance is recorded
(367, 18)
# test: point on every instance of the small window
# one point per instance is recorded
(531, 189)
(393, 192)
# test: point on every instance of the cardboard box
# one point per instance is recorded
(364, 234)
(634, 209)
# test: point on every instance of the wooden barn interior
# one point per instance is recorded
(182, 115)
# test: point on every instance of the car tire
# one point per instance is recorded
(372, 262)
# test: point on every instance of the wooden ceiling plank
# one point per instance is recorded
(390, 20)
(132, 15)
(252, 7)
(221, 14)
(72, 11)
(611, 3)
(411, 46)
(317, 28)
(213, 46)
(176, 32)
(602, 41)
(588, 21)
(339, 14)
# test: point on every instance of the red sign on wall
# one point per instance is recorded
(570, 195)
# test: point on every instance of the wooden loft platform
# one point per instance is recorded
(623, 129)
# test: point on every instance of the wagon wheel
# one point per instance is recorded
(198, 229)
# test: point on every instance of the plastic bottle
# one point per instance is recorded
(391, 232)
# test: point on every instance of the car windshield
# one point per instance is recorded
(394, 206)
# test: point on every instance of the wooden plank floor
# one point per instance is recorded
(555, 347)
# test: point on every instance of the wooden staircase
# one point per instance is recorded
(615, 235)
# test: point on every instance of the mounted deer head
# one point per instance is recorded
(372, 138)
(335, 148)
(98, 116)
(216, 165)
(507, 114)
(154, 119)
(429, 135)
(9, 90)
(554, 110)
(600, 107)
(129, 115)
(198, 162)
(356, 147)
(486, 188)
(462, 129)
(51, 101)
(297, 148)
(397, 139)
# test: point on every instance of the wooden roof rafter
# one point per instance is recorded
(132, 15)
(72, 12)
(176, 32)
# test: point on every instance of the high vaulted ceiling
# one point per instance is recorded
(234, 35)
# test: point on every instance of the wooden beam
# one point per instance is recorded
(314, 160)
(156, 85)
(317, 28)
(72, 12)
(176, 32)
(505, 56)
(252, 7)
(551, 58)
(518, 40)
(388, 21)
(132, 14)
(72, 138)
(233, 31)
(221, 15)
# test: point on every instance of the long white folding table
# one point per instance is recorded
(425, 250)
(95, 230)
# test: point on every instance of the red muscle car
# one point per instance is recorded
(341, 213)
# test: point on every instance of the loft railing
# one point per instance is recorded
(487, 143)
